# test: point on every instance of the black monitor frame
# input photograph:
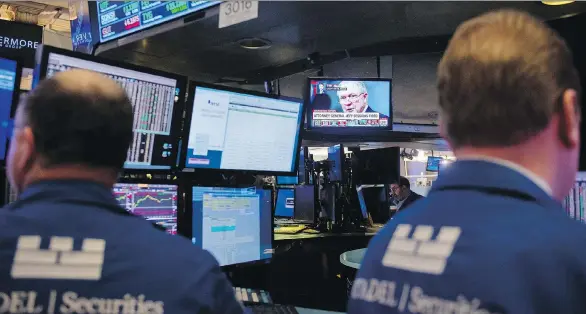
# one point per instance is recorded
(15, 99)
(180, 194)
(185, 228)
(363, 131)
(295, 217)
(187, 126)
(42, 59)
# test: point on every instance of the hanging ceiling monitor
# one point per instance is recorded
(236, 130)
(433, 163)
(157, 203)
(120, 18)
(234, 224)
(347, 104)
(9, 81)
(157, 99)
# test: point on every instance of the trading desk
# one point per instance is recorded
(306, 236)
(312, 311)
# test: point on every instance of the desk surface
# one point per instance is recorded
(312, 311)
(303, 236)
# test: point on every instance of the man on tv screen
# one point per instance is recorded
(346, 103)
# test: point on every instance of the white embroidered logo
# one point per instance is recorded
(60, 261)
(420, 253)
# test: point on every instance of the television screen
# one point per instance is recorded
(234, 224)
(239, 130)
(121, 18)
(155, 202)
(350, 103)
(156, 99)
(433, 163)
(8, 97)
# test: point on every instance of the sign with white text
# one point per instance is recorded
(18, 41)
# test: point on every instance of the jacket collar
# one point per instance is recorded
(69, 189)
(488, 174)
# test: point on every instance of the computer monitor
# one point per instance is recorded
(336, 158)
(155, 202)
(236, 130)
(234, 224)
(9, 83)
(349, 103)
(157, 99)
(376, 200)
(304, 203)
(285, 203)
(362, 202)
(287, 180)
(433, 163)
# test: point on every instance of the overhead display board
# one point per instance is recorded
(120, 18)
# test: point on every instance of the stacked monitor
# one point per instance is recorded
(285, 203)
(157, 99)
(234, 224)
(155, 202)
(236, 130)
(9, 82)
(349, 105)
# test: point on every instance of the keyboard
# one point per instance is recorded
(290, 229)
(252, 296)
(273, 308)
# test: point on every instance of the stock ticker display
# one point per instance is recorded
(155, 202)
(120, 18)
(153, 99)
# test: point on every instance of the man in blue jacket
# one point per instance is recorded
(65, 245)
(491, 236)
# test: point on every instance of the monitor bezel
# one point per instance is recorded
(16, 91)
(187, 129)
(180, 195)
(345, 130)
(42, 59)
(277, 189)
(187, 217)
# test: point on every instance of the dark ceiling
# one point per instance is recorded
(297, 29)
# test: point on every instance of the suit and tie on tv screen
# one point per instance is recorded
(350, 103)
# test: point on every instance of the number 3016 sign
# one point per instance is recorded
(234, 12)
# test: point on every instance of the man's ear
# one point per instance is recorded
(569, 119)
(443, 131)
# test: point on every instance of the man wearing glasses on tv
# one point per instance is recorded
(353, 98)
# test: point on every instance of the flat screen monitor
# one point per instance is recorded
(285, 203)
(120, 18)
(155, 202)
(349, 103)
(237, 130)
(433, 163)
(362, 202)
(157, 99)
(287, 180)
(9, 82)
(234, 224)
(336, 158)
(304, 203)
(376, 201)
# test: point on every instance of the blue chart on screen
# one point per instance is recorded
(234, 224)
(350, 103)
(7, 87)
(285, 203)
(155, 202)
(120, 18)
(228, 131)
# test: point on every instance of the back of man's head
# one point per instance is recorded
(501, 79)
(76, 118)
